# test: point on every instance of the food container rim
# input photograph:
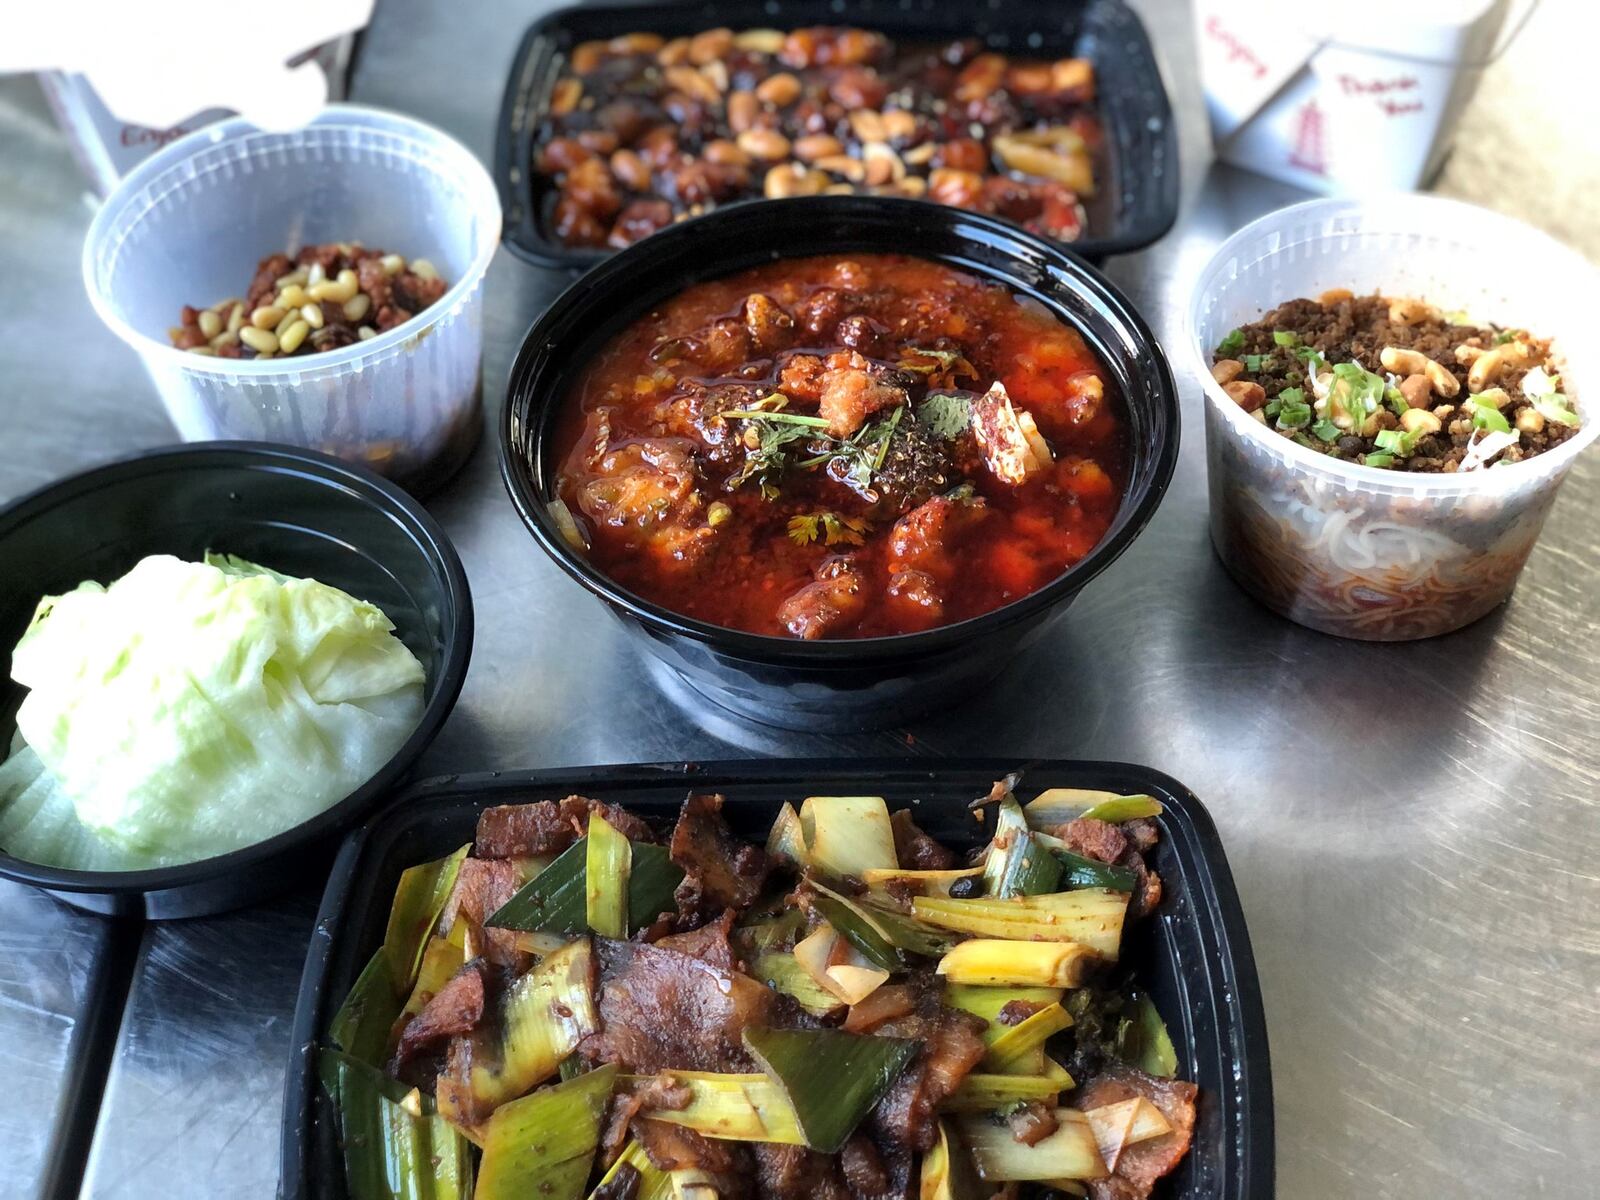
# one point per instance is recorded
(326, 471)
(1149, 474)
(1403, 213)
(1211, 934)
(426, 144)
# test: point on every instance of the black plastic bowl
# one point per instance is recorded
(841, 684)
(297, 511)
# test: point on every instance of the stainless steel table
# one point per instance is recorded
(1413, 828)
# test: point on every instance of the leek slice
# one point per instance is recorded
(782, 972)
(741, 1108)
(991, 1093)
(1057, 806)
(787, 841)
(1120, 1125)
(1146, 1043)
(847, 835)
(543, 1144)
(986, 1002)
(608, 864)
(837, 966)
(853, 925)
(556, 900)
(654, 1183)
(1091, 917)
(947, 1170)
(419, 898)
(1017, 865)
(773, 935)
(1069, 1153)
(390, 1151)
(543, 1015)
(832, 1079)
(364, 1025)
(886, 927)
(1021, 964)
(1019, 1050)
(927, 883)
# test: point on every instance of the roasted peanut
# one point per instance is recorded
(791, 179)
(565, 95)
(1420, 420)
(1248, 396)
(1397, 360)
(674, 52)
(1072, 74)
(1468, 353)
(710, 46)
(692, 84)
(1417, 391)
(636, 43)
(867, 125)
(725, 153)
(743, 108)
(919, 156)
(760, 41)
(1336, 296)
(1405, 311)
(816, 146)
(882, 164)
(897, 123)
(766, 144)
(631, 171)
(1488, 367)
(842, 164)
(1226, 370)
(780, 90)
(586, 56)
(1530, 420)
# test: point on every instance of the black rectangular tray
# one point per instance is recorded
(1193, 957)
(1136, 205)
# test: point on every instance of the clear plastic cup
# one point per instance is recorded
(190, 223)
(1365, 552)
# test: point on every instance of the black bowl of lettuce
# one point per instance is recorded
(294, 511)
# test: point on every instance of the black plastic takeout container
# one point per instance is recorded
(1136, 204)
(297, 511)
(846, 683)
(1193, 956)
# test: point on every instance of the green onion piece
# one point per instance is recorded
(608, 863)
(947, 1170)
(1068, 1153)
(1285, 337)
(543, 1145)
(1019, 1049)
(390, 1152)
(1125, 808)
(1145, 1042)
(1553, 406)
(1396, 401)
(991, 1093)
(1252, 362)
(1293, 411)
(1326, 431)
(362, 1026)
(831, 1079)
(1232, 344)
(556, 901)
(1081, 872)
(1377, 460)
(419, 898)
(1397, 441)
(782, 972)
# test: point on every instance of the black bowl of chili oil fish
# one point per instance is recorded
(831, 483)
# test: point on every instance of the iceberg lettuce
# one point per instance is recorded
(190, 709)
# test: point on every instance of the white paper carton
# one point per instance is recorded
(1366, 104)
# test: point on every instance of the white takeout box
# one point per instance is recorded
(1365, 100)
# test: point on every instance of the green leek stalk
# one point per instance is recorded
(740, 1108)
(364, 1025)
(782, 972)
(1091, 917)
(557, 899)
(1069, 1153)
(947, 1170)
(1020, 1049)
(654, 1183)
(1057, 806)
(1081, 872)
(543, 1015)
(608, 863)
(1146, 1042)
(419, 898)
(986, 1002)
(772, 935)
(831, 1079)
(847, 835)
(543, 1144)
(879, 930)
(390, 1151)
(1016, 865)
(854, 927)
(997, 963)
(993, 1093)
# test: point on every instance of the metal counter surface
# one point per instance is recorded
(1412, 827)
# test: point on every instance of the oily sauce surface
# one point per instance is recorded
(760, 452)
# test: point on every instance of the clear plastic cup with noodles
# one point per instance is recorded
(1369, 552)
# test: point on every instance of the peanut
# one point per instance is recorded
(1417, 391)
(765, 144)
(1405, 311)
(1226, 370)
(1248, 396)
(817, 146)
(1420, 420)
(1530, 420)
(780, 90)
(1335, 296)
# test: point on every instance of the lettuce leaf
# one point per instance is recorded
(190, 709)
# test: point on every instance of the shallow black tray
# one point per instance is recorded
(1194, 957)
(1138, 167)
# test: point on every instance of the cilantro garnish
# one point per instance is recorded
(947, 416)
